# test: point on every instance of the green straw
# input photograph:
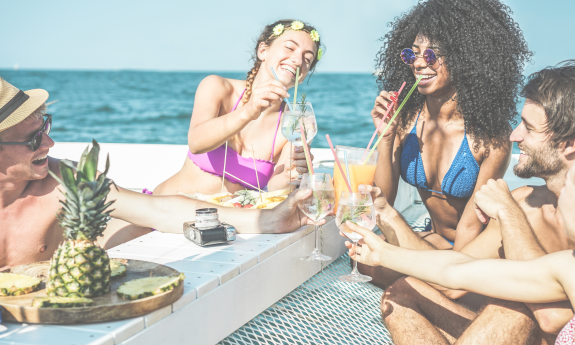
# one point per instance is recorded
(296, 82)
(393, 118)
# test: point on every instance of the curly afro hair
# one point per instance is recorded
(484, 52)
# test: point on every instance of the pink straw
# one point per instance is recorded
(307, 155)
(381, 123)
(338, 164)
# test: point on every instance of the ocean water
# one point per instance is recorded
(155, 107)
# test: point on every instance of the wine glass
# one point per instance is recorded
(317, 207)
(290, 126)
(357, 208)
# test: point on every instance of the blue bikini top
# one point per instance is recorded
(460, 179)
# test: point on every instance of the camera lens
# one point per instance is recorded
(207, 218)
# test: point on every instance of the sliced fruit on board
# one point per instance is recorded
(118, 269)
(12, 284)
(144, 287)
(61, 302)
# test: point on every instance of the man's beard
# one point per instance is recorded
(543, 162)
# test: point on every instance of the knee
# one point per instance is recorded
(399, 293)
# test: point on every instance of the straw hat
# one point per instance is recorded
(16, 105)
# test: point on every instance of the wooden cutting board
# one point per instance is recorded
(107, 307)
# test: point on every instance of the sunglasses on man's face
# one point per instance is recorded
(35, 143)
(409, 57)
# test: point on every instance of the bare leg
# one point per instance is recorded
(416, 313)
(502, 322)
(119, 231)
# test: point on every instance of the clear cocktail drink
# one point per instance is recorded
(359, 173)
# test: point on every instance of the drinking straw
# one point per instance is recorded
(382, 122)
(224, 171)
(393, 118)
(254, 187)
(305, 149)
(346, 166)
(296, 82)
(256, 169)
(338, 164)
(276, 76)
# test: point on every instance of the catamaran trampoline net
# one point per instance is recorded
(323, 310)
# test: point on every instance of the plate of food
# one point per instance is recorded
(244, 198)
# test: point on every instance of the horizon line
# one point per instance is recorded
(11, 69)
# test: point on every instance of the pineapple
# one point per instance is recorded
(144, 287)
(118, 269)
(61, 302)
(80, 267)
(12, 284)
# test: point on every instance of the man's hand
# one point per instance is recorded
(492, 198)
(369, 252)
(287, 216)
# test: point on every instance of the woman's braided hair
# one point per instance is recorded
(485, 53)
(267, 37)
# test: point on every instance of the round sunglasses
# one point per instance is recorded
(409, 57)
(35, 143)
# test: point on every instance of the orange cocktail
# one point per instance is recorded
(359, 173)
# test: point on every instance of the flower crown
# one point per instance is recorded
(296, 25)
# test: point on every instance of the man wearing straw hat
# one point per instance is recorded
(29, 196)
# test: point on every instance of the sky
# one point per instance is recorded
(219, 35)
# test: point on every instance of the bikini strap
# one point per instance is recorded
(238, 102)
(417, 119)
(282, 106)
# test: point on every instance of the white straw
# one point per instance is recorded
(224, 172)
(254, 187)
(346, 166)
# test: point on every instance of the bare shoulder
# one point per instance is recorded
(218, 85)
(534, 197)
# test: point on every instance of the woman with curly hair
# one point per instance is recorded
(231, 117)
(453, 133)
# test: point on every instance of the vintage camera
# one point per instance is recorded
(207, 229)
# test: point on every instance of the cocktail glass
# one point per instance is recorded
(290, 126)
(357, 208)
(317, 207)
(359, 173)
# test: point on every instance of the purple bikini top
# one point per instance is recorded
(241, 167)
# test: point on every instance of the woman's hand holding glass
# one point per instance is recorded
(297, 165)
(262, 97)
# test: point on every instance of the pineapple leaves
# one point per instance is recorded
(67, 172)
(83, 159)
(84, 213)
(90, 167)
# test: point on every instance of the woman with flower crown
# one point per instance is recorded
(235, 120)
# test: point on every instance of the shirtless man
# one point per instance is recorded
(29, 196)
(526, 226)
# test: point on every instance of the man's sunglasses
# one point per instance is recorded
(409, 57)
(35, 143)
